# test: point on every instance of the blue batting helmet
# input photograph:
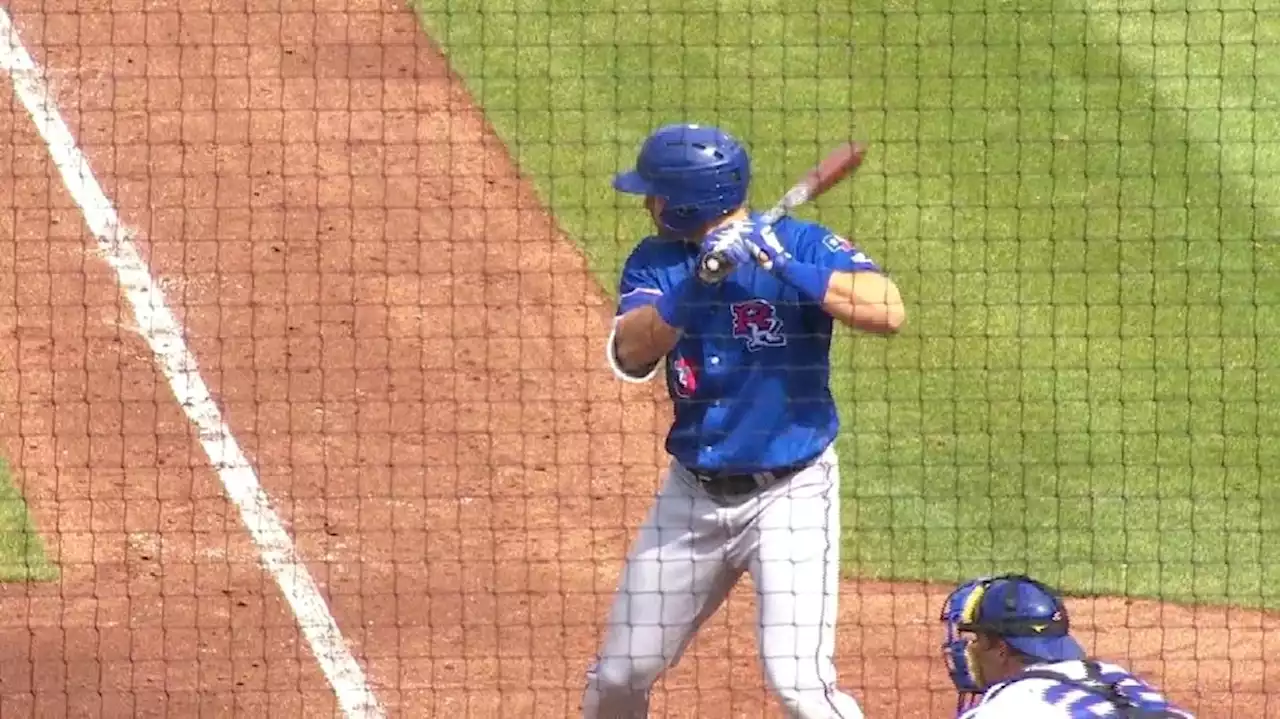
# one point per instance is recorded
(701, 173)
(1024, 613)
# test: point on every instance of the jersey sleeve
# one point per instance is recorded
(820, 246)
(639, 285)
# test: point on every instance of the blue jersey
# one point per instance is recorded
(749, 377)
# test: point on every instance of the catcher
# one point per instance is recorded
(1011, 655)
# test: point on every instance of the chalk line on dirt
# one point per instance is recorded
(163, 333)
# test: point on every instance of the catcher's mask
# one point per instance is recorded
(1026, 614)
(700, 172)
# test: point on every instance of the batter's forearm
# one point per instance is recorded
(641, 339)
(868, 301)
(646, 334)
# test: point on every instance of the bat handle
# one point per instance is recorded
(774, 214)
(797, 195)
(713, 267)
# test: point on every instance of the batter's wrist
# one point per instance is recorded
(810, 280)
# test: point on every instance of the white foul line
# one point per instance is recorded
(163, 333)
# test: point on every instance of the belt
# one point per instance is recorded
(724, 484)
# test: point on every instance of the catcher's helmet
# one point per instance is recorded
(701, 173)
(1026, 614)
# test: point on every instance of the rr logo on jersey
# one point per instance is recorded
(757, 322)
(684, 379)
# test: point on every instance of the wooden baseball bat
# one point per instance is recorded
(833, 168)
(825, 175)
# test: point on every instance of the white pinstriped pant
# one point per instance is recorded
(690, 552)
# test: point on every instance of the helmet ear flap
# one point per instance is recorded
(687, 218)
(680, 218)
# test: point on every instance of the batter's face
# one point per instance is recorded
(654, 205)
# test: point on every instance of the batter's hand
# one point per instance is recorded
(765, 247)
(721, 251)
(738, 243)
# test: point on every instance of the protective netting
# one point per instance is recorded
(304, 400)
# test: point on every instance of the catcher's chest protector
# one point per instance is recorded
(1094, 684)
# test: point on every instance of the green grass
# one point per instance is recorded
(1079, 200)
(22, 556)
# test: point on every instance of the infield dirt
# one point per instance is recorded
(412, 355)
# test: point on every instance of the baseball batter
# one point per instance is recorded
(753, 481)
(1011, 656)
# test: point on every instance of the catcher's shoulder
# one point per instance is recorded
(1017, 695)
(1015, 699)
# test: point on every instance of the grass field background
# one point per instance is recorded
(22, 554)
(1079, 200)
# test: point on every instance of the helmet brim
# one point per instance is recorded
(632, 183)
(1054, 649)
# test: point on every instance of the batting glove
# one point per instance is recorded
(741, 242)
(721, 251)
(768, 250)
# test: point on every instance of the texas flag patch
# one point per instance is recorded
(836, 243)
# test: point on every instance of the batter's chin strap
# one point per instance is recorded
(1094, 683)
